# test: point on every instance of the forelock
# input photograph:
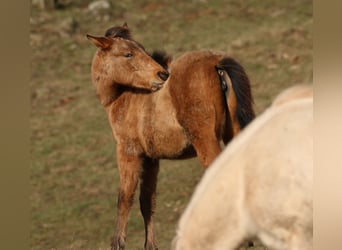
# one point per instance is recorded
(118, 31)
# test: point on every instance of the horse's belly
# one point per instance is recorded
(160, 133)
(163, 137)
(167, 142)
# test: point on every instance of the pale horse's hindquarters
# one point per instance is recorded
(260, 186)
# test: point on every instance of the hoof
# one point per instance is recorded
(250, 243)
(151, 247)
(117, 244)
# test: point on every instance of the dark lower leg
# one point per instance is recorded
(148, 200)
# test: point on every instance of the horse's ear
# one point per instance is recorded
(125, 25)
(101, 42)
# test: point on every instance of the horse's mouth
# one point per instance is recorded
(156, 86)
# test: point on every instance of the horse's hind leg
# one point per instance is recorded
(203, 138)
(148, 199)
(207, 148)
(129, 171)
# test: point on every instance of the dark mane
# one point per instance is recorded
(242, 89)
(119, 31)
(162, 58)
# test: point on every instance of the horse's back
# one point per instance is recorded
(194, 63)
(294, 93)
(192, 56)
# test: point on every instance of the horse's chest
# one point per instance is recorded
(123, 122)
(151, 125)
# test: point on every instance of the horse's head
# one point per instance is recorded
(122, 60)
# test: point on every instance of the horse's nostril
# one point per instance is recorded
(163, 75)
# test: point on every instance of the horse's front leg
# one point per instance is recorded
(148, 199)
(129, 171)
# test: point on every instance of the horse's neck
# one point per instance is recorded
(107, 92)
(106, 89)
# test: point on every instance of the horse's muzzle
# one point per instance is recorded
(157, 85)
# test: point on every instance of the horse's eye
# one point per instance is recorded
(128, 55)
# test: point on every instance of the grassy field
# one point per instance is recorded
(74, 178)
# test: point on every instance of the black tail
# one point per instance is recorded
(242, 88)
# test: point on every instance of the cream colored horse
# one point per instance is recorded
(260, 186)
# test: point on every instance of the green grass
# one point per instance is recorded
(74, 179)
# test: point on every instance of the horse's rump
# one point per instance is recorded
(196, 92)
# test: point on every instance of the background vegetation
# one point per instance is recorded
(74, 178)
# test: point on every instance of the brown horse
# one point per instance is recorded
(188, 116)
